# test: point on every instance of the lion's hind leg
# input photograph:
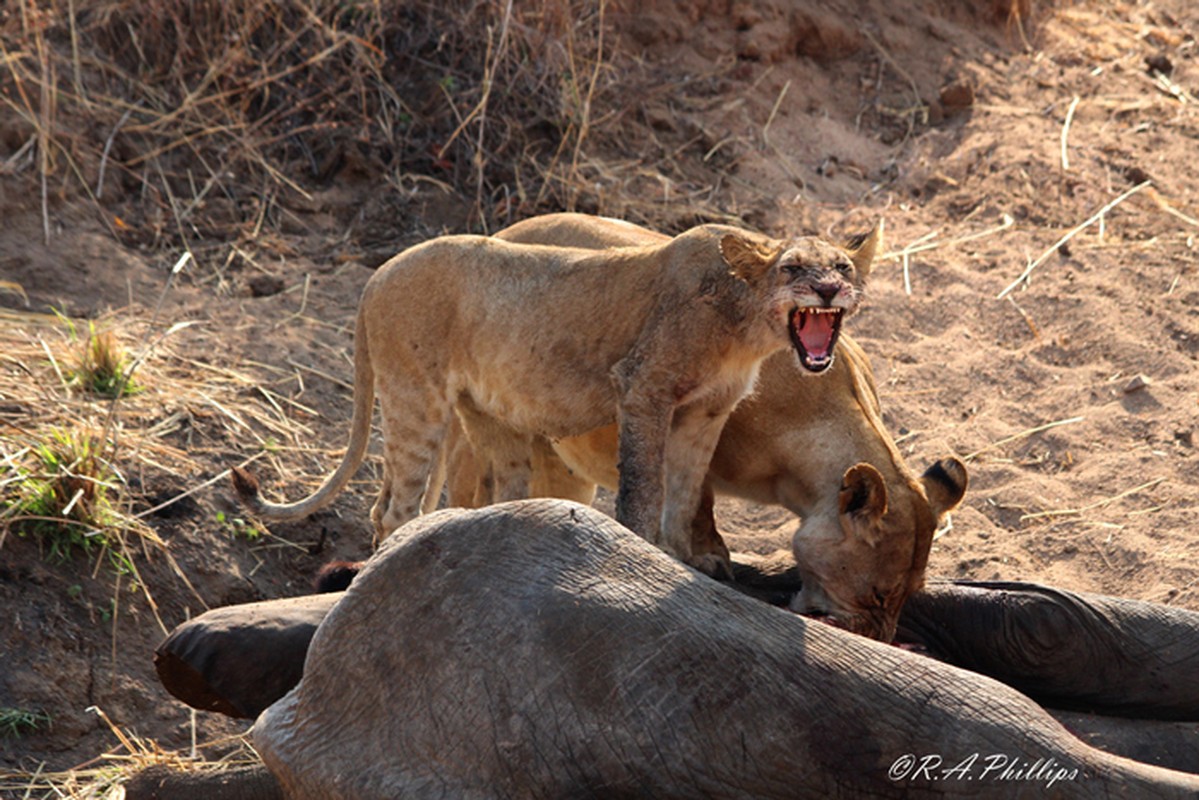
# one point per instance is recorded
(414, 425)
(552, 478)
(503, 454)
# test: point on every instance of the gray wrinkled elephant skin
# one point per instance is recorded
(539, 650)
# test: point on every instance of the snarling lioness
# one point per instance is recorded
(664, 339)
(817, 447)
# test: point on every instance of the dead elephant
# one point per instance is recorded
(1070, 650)
(537, 649)
(1128, 661)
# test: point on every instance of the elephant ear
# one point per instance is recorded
(945, 485)
(747, 260)
(863, 501)
(863, 247)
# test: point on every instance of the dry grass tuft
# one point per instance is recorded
(104, 368)
(63, 493)
(103, 777)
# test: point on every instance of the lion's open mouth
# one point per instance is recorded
(814, 333)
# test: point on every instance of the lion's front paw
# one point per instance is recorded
(713, 566)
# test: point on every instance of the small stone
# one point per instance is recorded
(1159, 63)
(1136, 384)
(1136, 175)
(957, 96)
(1185, 438)
(265, 285)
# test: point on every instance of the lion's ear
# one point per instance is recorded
(863, 247)
(863, 502)
(863, 492)
(747, 260)
(945, 484)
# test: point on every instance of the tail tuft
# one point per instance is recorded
(245, 486)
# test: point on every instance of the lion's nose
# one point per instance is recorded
(826, 291)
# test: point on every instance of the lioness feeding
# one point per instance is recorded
(664, 339)
(816, 447)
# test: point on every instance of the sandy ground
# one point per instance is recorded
(985, 143)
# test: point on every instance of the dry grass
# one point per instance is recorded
(198, 127)
(69, 459)
(103, 777)
(108, 451)
(189, 123)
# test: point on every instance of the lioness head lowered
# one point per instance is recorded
(818, 285)
(833, 543)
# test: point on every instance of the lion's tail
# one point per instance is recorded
(245, 485)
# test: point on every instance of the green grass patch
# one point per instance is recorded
(238, 528)
(104, 366)
(16, 722)
(65, 495)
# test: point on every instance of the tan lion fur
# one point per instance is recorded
(815, 445)
(663, 338)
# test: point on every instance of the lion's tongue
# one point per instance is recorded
(815, 332)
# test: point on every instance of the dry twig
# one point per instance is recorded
(1066, 133)
(1096, 217)
(1021, 435)
(1074, 512)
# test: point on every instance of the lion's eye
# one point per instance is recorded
(845, 268)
